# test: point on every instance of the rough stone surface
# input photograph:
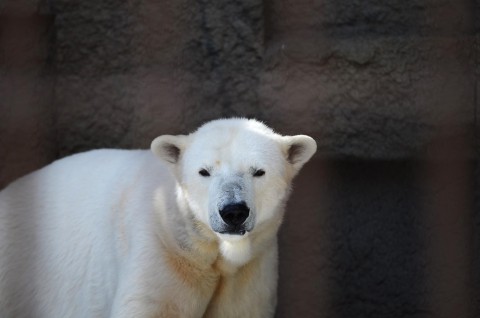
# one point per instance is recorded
(371, 80)
(382, 65)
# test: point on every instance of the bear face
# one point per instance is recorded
(234, 174)
(235, 177)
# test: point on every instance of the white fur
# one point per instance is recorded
(115, 233)
(237, 250)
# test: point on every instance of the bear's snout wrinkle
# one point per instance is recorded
(235, 214)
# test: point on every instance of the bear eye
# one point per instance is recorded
(259, 173)
(204, 173)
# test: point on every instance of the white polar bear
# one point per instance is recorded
(117, 233)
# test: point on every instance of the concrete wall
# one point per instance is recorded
(383, 222)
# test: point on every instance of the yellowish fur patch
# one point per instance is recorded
(192, 275)
(169, 310)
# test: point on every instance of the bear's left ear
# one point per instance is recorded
(298, 150)
(169, 148)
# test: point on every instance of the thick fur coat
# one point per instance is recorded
(187, 229)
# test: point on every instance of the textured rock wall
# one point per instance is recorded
(132, 71)
(369, 80)
(377, 226)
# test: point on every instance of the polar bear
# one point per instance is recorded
(187, 229)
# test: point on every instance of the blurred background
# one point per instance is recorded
(383, 222)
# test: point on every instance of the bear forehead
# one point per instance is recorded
(235, 146)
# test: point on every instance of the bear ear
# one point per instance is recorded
(169, 148)
(298, 150)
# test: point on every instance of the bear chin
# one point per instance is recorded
(235, 249)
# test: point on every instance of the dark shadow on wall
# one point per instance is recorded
(380, 239)
(476, 241)
(377, 249)
(351, 244)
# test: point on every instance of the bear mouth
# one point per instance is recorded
(234, 231)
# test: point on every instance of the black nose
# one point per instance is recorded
(234, 214)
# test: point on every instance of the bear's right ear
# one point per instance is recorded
(169, 148)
